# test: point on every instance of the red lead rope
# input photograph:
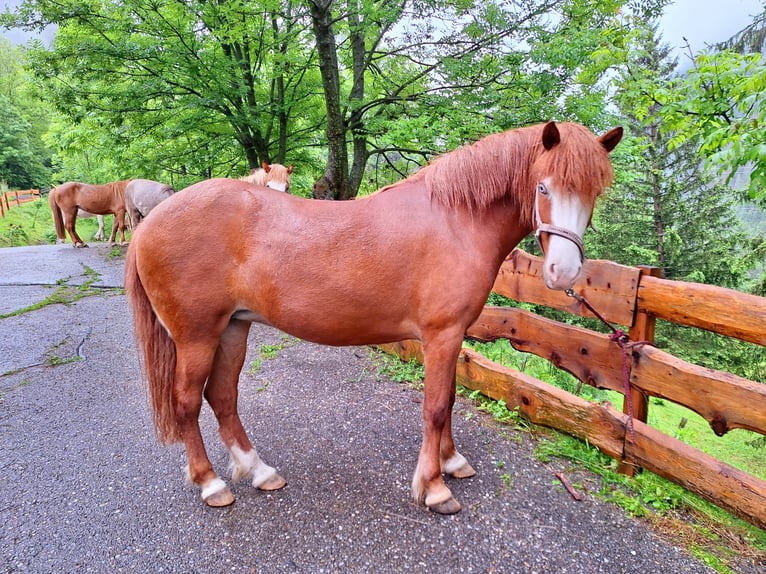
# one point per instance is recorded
(626, 345)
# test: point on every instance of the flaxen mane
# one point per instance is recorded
(501, 165)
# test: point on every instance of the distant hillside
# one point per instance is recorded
(753, 218)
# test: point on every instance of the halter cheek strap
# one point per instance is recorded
(541, 227)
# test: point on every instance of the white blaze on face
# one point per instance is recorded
(562, 257)
(278, 185)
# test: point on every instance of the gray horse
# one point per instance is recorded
(143, 195)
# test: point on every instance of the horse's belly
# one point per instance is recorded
(334, 327)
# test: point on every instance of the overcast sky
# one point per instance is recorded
(705, 22)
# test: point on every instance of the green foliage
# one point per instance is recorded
(269, 351)
(24, 160)
(31, 223)
(393, 368)
(723, 96)
(184, 91)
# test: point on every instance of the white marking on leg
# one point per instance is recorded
(244, 464)
(214, 486)
(454, 463)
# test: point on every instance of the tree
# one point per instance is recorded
(163, 69)
(666, 209)
(441, 73)
(399, 81)
(723, 99)
(23, 156)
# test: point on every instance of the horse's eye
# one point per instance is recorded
(541, 189)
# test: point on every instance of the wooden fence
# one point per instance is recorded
(632, 297)
(9, 198)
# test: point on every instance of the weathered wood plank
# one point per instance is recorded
(716, 309)
(735, 491)
(606, 428)
(589, 356)
(609, 287)
(725, 400)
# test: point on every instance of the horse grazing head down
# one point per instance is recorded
(273, 175)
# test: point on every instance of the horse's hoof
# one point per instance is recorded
(465, 471)
(221, 498)
(80, 245)
(274, 482)
(449, 506)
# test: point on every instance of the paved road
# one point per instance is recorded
(86, 488)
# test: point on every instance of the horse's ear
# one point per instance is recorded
(551, 136)
(266, 167)
(290, 168)
(611, 138)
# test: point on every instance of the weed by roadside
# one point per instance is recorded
(266, 352)
(65, 293)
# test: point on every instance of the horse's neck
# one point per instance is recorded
(498, 227)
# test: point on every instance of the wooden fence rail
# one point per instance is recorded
(630, 297)
(17, 197)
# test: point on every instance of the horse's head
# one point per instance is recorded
(572, 170)
(277, 176)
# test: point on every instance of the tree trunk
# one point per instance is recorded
(337, 154)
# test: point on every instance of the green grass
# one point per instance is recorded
(66, 294)
(266, 352)
(31, 223)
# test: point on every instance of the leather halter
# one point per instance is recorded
(541, 227)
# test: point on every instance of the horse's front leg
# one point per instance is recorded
(452, 462)
(192, 368)
(221, 393)
(440, 352)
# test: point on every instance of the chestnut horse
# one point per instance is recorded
(415, 260)
(274, 175)
(143, 195)
(66, 199)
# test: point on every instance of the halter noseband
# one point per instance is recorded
(541, 227)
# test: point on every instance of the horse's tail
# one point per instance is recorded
(58, 218)
(157, 353)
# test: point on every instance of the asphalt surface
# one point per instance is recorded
(86, 487)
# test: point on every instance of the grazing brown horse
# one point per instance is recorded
(274, 175)
(143, 195)
(66, 199)
(416, 260)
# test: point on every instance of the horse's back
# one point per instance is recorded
(332, 272)
(145, 194)
(98, 199)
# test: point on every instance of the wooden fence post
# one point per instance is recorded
(642, 329)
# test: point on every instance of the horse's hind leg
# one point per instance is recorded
(192, 367)
(99, 236)
(70, 218)
(221, 393)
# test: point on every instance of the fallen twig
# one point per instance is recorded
(570, 489)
